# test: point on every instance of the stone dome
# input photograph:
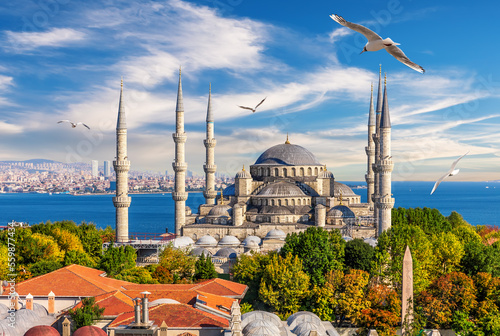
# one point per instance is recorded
(281, 189)
(276, 234)
(287, 154)
(198, 251)
(341, 211)
(162, 301)
(183, 241)
(243, 174)
(339, 188)
(347, 238)
(220, 210)
(252, 244)
(89, 331)
(43, 330)
(279, 210)
(371, 241)
(206, 240)
(326, 174)
(229, 240)
(304, 329)
(254, 238)
(226, 252)
(261, 328)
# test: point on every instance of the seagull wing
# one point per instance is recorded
(84, 125)
(246, 108)
(260, 103)
(400, 56)
(439, 181)
(455, 162)
(61, 121)
(369, 34)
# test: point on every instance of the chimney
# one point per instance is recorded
(14, 301)
(137, 310)
(145, 310)
(29, 301)
(66, 327)
(163, 329)
(51, 303)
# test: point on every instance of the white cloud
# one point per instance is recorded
(56, 37)
(7, 128)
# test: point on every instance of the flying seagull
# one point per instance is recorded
(72, 123)
(375, 42)
(450, 172)
(252, 109)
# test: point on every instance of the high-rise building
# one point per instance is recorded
(107, 168)
(95, 168)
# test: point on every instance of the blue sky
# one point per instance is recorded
(63, 59)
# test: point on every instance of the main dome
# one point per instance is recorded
(287, 154)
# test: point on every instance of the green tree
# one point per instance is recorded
(117, 259)
(44, 266)
(448, 252)
(87, 314)
(284, 284)
(4, 261)
(359, 255)
(481, 258)
(178, 262)
(136, 274)
(79, 258)
(91, 239)
(431, 221)
(456, 220)
(67, 240)
(351, 296)
(248, 270)
(320, 250)
(204, 268)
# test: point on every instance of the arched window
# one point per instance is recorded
(286, 202)
(309, 171)
(293, 202)
(301, 171)
(272, 202)
(279, 202)
(276, 172)
(268, 172)
(259, 171)
(195, 237)
(299, 202)
(316, 171)
(285, 173)
(293, 171)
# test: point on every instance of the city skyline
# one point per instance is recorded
(65, 60)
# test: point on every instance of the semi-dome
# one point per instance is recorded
(341, 211)
(254, 238)
(42, 330)
(279, 210)
(276, 234)
(89, 331)
(340, 188)
(226, 252)
(282, 189)
(206, 240)
(198, 251)
(229, 240)
(220, 210)
(287, 154)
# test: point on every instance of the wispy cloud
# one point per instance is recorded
(56, 37)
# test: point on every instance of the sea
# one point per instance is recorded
(477, 202)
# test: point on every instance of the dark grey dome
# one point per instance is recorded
(226, 252)
(341, 211)
(220, 210)
(279, 210)
(287, 154)
(198, 251)
(281, 189)
(340, 187)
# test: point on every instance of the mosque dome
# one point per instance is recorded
(243, 174)
(251, 244)
(226, 252)
(89, 331)
(254, 238)
(220, 210)
(261, 328)
(279, 210)
(326, 174)
(198, 251)
(347, 238)
(282, 189)
(183, 241)
(230, 241)
(340, 188)
(371, 241)
(42, 330)
(341, 211)
(305, 328)
(287, 154)
(206, 240)
(162, 301)
(276, 234)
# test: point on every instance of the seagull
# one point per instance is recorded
(252, 109)
(450, 172)
(375, 42)
(72, 123)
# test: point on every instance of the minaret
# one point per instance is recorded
(376, 138)
(370, 152)
(122, 166)
(210, 193)
(385, 201)
(179, 195)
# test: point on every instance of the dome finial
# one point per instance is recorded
(340, 197)
(372, 87)
(287, 142)
(221, 197)
(121, 82)
(385, 78)
(243, 168)
(380, 69)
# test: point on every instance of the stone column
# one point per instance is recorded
(320, 214)
(407, 295)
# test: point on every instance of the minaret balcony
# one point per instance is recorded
(369, 178)
(370, 150)
(386, 166)
(210, 193)
(385, 202)
(209, 168)
(210, 143)
(121, 166)
(179, 137)
(179, 196)
(179, 166)
(122, 201)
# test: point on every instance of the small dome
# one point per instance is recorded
(206, 240)
(281, 189)
(188, 211)
(276, 234)
(43, 330)
(341, 211)
(305, 328)
(229, 240)
(198, 251)
(347, 238)
(339, 188)
(89, 331)
(243, 174)
(279, 210)
(251, 244)
(183, 241)
(40, 310)
(287, 154)
(226, 252)
(261, 328)
(162, 301)
(371, 241)
(220, 210)
(254, 238)
(325, 174)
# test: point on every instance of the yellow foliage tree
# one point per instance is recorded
(46, 247)
(66, 240)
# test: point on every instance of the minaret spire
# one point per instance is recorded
(376, 140)
(179, 195)
(209, 167)
(385, 201)
(370, 152)
(121, 165)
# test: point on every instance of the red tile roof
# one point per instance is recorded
(114, 303)
(176, 316)
(220, 303)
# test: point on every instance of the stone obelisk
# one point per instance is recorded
(407, 297)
